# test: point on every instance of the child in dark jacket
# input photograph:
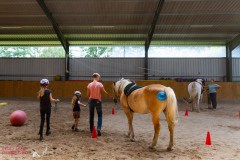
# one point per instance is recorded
(76, 103)
(45, 97)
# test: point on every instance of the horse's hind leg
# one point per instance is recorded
(192, 105)
(129, 115)
(171, 132)
(155, 119)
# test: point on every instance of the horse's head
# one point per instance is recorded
(201, 81)
(118, 86)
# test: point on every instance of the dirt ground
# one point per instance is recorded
(64, 144)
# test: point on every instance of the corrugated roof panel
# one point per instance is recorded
(99, 7)
(201, 6)
(94, 21)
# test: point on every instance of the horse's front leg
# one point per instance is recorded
(129, 115)
(155, 119)
(197, 104)
(201, 98)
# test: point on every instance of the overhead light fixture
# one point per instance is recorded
(201, 26)
(103, 26)
(10, 27)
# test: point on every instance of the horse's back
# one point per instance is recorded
(194, 87)
(141, 100)
(154, 88)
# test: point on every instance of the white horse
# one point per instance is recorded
(195, 92)
(148, 100)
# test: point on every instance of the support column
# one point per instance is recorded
(150, 36)
(229, 62)
(67, 63)
(59, 34)
(146, 64)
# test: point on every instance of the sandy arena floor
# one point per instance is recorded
(63, 144)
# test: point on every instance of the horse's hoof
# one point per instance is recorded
(128, 136)
(132, 140)
(169, 149)
(152, 148)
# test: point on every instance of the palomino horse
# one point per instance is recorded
(145, 100)
(195, 91)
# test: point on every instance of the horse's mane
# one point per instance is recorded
(127, 80)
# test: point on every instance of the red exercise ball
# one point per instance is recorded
(18, 118)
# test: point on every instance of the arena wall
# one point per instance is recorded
(64, 90)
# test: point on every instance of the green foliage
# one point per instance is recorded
(32, 52)
(56, 52)
(15, 52)
(96, 52)
(53, 52)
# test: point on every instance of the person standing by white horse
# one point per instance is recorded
(152, 99)
(212, 89)
(195, 90)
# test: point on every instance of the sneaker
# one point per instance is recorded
(48, 133)
(99, 133)
(41, 139)
(76, 130)
(73, 127)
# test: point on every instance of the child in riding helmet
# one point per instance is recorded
(45, 97)
(76, 108)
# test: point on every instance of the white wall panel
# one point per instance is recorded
(110, 68)
(188, 68)
(236, 69)
(115, 68)
(31, 68)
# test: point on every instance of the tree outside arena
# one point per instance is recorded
(54, 52)
(105, 51)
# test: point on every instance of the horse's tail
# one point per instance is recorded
(171, 108)
(192, 92)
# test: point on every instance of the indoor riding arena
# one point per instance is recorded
(120, 79)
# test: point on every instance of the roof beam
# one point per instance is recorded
(234, 42)
(55, 26)
(142, 14)
(150, 35)
(60, 36)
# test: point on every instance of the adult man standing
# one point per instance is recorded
(94, 90)
(212, 89)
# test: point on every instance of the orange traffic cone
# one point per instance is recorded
(94, 132)
(113, 112)
(208, 139)
(186, 112)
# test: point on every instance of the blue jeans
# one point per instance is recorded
(94, 103)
